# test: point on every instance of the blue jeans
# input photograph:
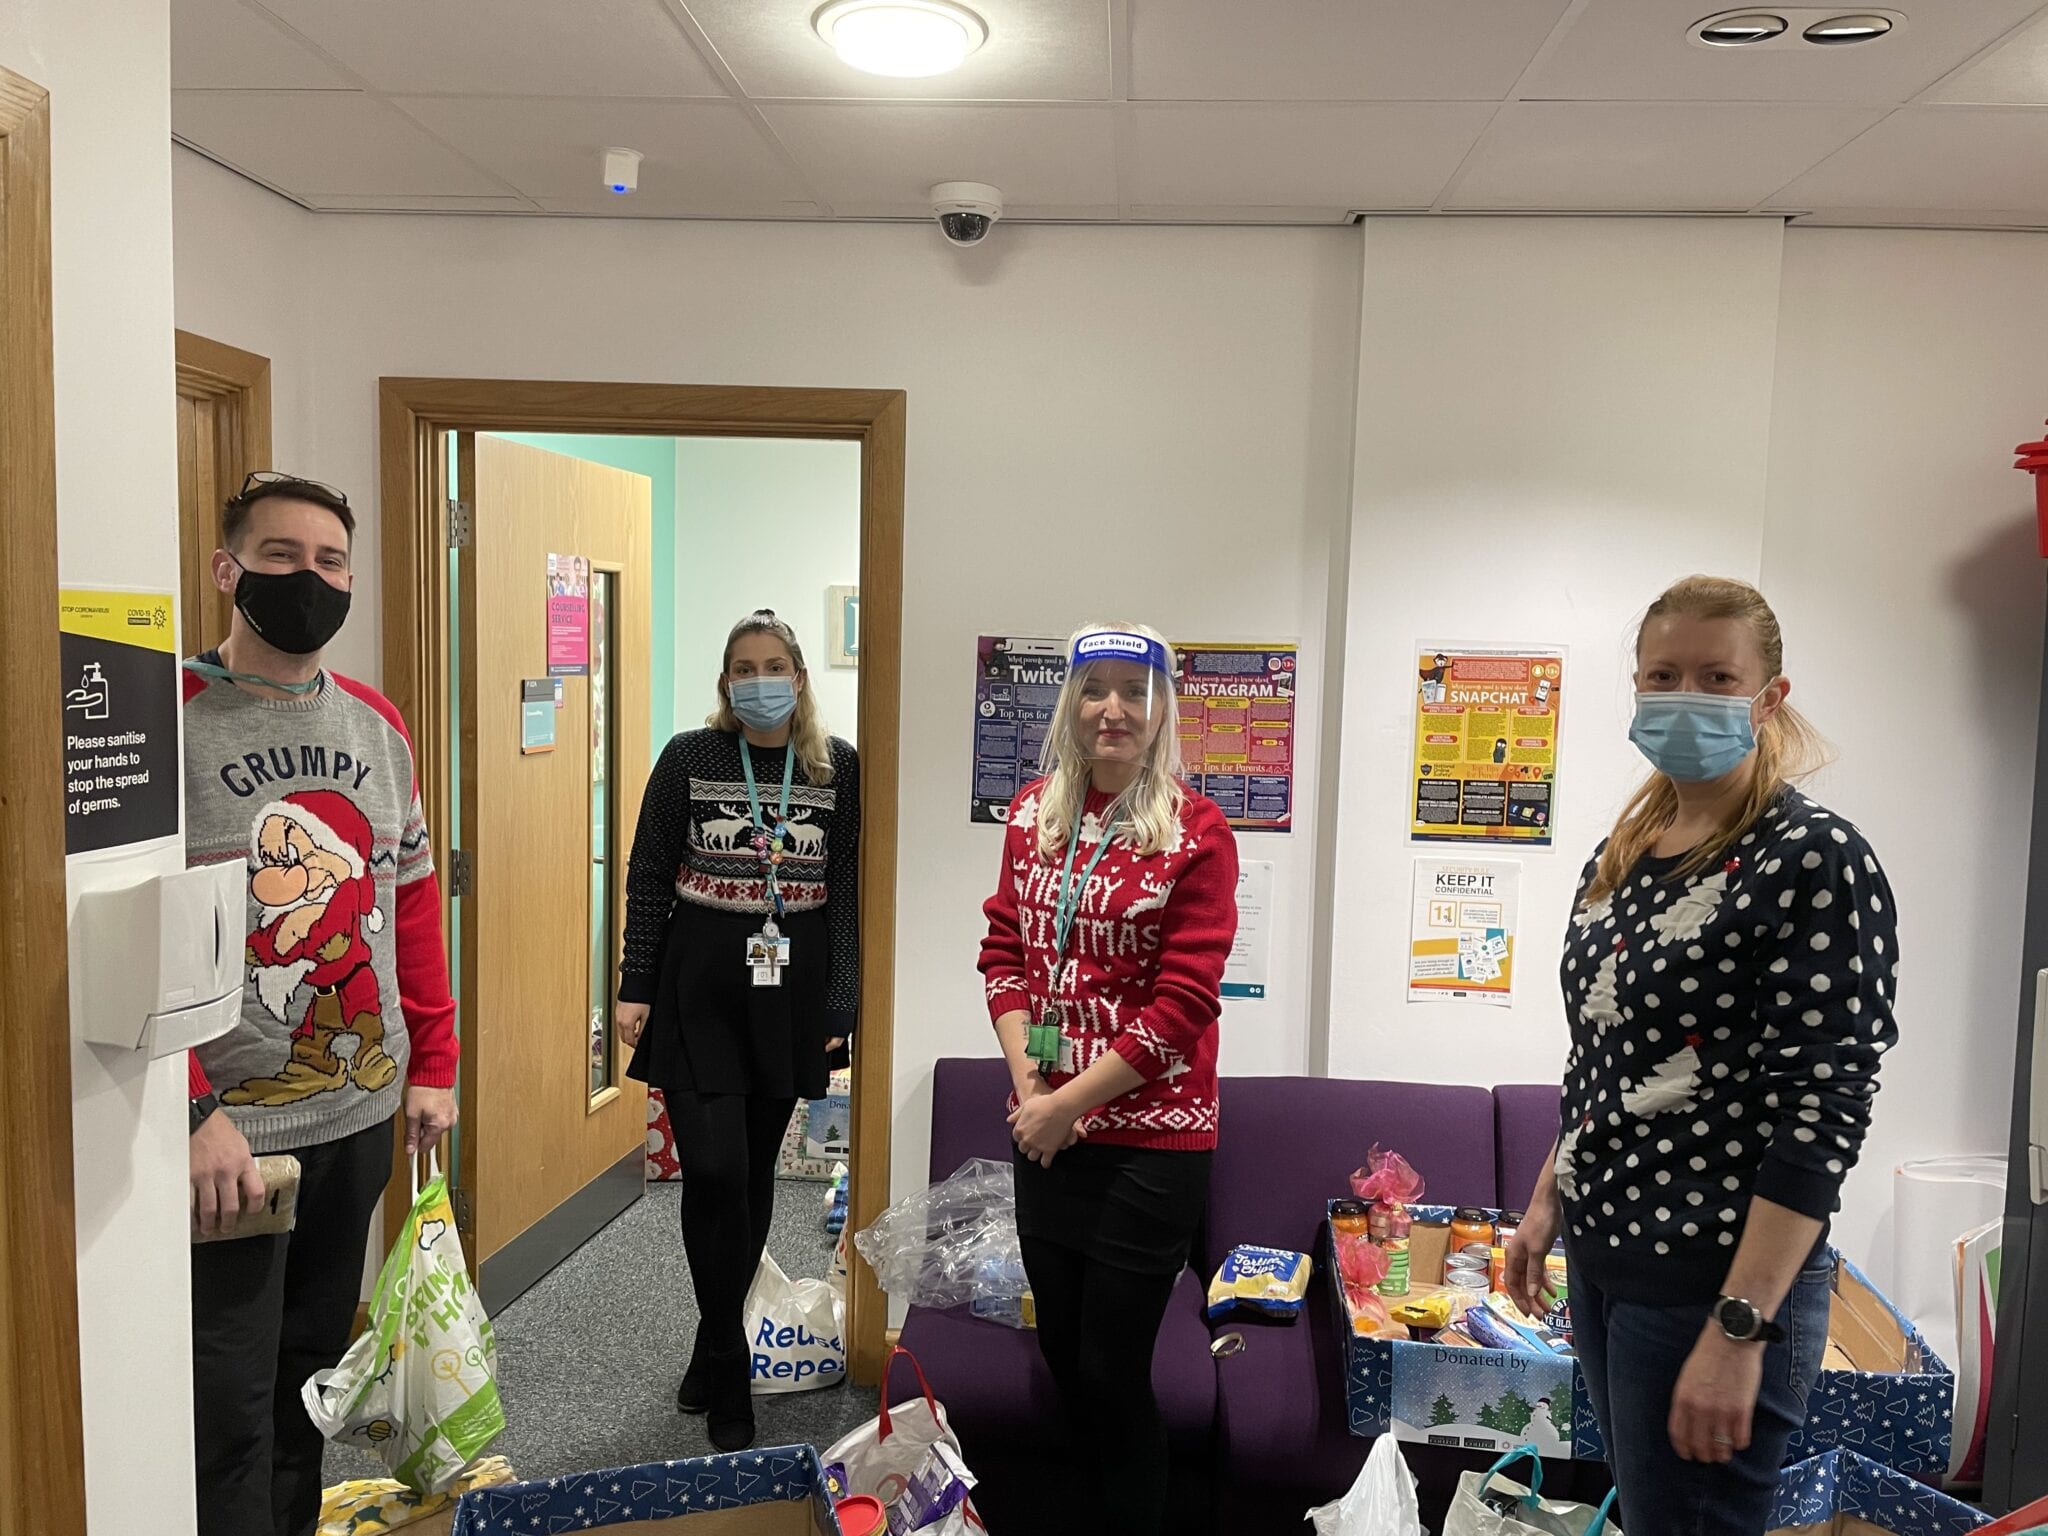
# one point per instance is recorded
(1631, 1356)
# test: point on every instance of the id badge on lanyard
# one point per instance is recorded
(767, 955)
(767, 952)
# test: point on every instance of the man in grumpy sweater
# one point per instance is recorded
(306, 779)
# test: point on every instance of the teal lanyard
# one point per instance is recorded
(769, 842)
(222, 674)
(1042, 1040)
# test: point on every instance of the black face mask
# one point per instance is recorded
(296, 614)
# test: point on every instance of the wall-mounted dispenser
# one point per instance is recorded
(157, 966)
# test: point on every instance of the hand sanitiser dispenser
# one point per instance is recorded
(157, 966)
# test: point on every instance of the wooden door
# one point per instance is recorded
(223, 433)
(553, 1134)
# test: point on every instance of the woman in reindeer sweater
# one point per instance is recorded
(1728, 975)
(1107, 936)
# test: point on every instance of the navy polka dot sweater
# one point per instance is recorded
(1726, 1033)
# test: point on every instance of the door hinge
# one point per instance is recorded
(462, 872)
(465, 1220)
(460, 525)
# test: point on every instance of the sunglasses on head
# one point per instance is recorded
(274, 482)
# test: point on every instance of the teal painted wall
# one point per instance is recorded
(654, 457)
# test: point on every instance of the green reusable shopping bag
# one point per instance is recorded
(419, 1387)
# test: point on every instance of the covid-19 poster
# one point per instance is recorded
(1486, 744)
(1236, 723)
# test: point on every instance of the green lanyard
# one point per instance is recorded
(1041, 1040)
(222, 674)
(767, 843)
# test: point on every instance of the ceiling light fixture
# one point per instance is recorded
(1848, 29)
(904, 39)
(1736, 31)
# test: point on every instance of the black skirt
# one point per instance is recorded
(713, 1031)
(1135, 1208)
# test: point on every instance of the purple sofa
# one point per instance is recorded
(1524, 1132)
(1259, 1434)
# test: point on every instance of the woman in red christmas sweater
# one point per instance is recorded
(1107, 936)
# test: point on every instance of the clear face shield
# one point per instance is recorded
(1120, 698)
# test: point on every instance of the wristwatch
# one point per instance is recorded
(202, 1110)
(1744, 1321)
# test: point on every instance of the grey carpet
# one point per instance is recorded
(588, 1359)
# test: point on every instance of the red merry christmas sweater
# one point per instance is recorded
(1143, 973)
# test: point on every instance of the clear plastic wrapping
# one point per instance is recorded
(953, 1244)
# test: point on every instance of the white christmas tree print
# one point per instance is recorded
(1586, 917)
(1686, 918)
(1567, 1165)
(1671, 1088)
(1091, 827)
(1602, 1009)
(1026, 816)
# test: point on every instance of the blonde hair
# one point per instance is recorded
(1788, 748)
(1149, 811)
(807, 731)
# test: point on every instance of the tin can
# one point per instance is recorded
(1396, 1281)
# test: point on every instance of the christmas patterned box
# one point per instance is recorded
(662, 1167)
(800, 1158)
(708, 1490)
(1843, 1494)
(1883, 1393)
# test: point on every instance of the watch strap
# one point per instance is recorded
(203, 1108)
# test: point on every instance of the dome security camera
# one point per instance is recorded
(965, 210)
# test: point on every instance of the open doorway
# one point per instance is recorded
(724, 443)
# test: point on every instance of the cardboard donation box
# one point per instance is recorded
(1843, 1494)
(1883, 1393)
(755, 1493)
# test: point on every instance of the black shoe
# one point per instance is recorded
(693, 1395)
(731, 1421)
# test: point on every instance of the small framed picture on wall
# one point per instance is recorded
(842, 625)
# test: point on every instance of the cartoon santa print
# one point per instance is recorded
(310, 879)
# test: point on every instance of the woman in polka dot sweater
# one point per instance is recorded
(1729, 976)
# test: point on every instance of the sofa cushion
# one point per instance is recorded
(1525, 1129)
(968, 1117)
(1289, 1144)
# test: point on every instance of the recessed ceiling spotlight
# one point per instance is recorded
(905, 39)
(1748, 27)
(1848, 29)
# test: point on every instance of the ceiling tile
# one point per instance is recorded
(1964, 159)
(1226, 50)
(1037, 50)
(1360, 155)
(1638, 50)
(347, 202)
(2016, 72)
(1650, 157)
(701, 157)
(326, 141)
(228, 46)
(508, 47)
(881, 158)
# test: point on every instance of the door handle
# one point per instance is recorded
(2037, 1097)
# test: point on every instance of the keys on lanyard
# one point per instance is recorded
(768, 950)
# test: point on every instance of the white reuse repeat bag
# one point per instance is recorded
(793, 1333)
(1381, 1503)
(1487, 1504)
(419, 1388)
(884, 1454)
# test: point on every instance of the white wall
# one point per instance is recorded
(1899, 547)
(1154, 423)
(763, 522)
(107, 68)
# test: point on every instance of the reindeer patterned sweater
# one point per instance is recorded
(1726, 1033)
(1143, 972)
(694, 845)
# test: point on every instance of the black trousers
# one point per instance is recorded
(727, 1148)
(1097, 1327)
(267, 1312)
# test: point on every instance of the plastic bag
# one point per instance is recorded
(419, 1388)
(951, 1244)
(793, 1332)
(1487, 1504)
(882, 1456)
(1380, 1503)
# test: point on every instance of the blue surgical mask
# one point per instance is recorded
(1693, 737)
(762, 702)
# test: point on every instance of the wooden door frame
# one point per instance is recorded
(238, 383)
(413, 412)
(42, 1440)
